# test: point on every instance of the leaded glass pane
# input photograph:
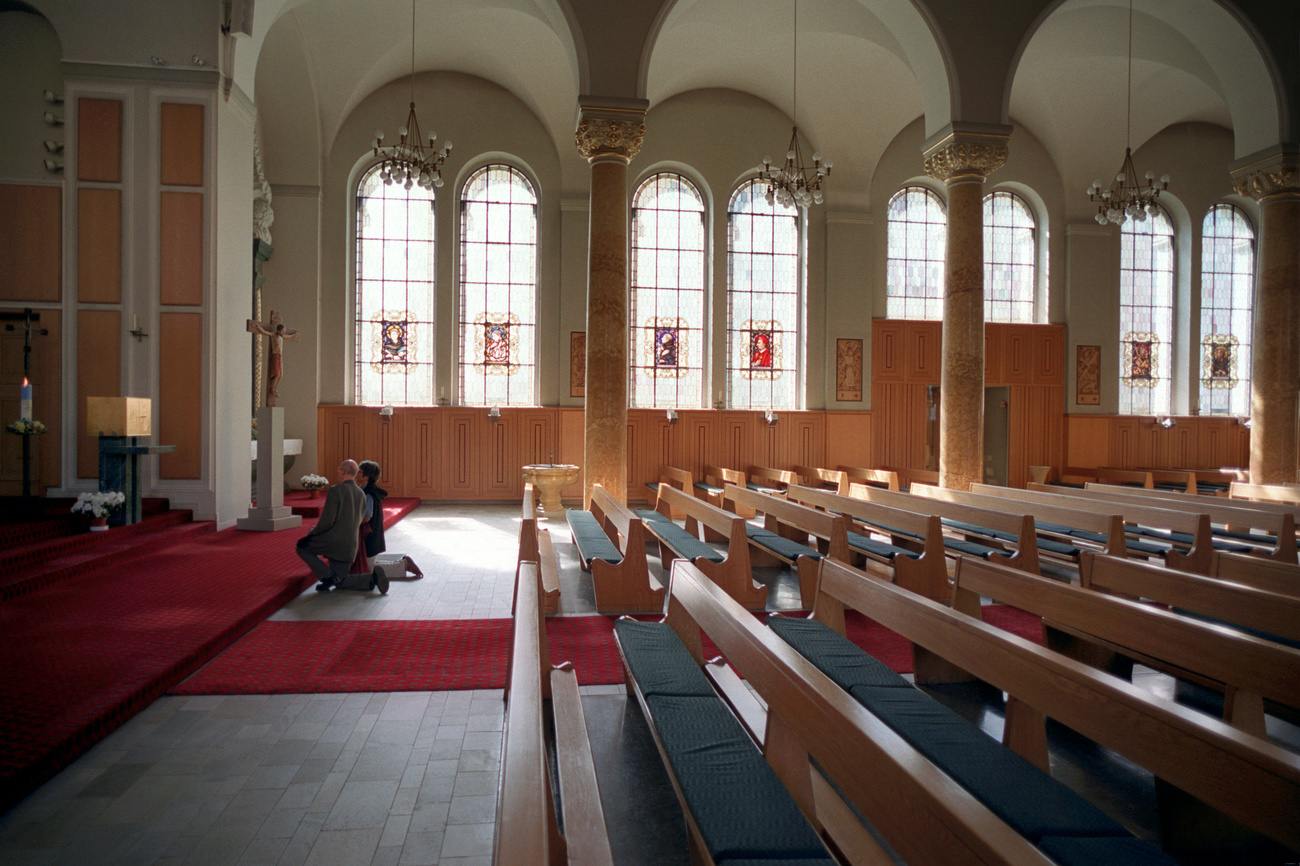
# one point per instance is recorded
(1227, 320)
(1146, 315)
(1010, 255)
(917, 241)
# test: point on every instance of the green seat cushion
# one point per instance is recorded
(741, 807)
(834, 655)
(884, 549)
(781, 546)
(660, 663)
(707, 488)
(591, 540)
(1108, 850)
(685, 544)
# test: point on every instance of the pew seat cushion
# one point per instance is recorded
(660, 663)
(707, 488)
(1110, 850)
(779, 544)
(834, 654)
(1100, 538)
(967, 547)
(764, 488)
(681, 541)
(743, 811)
(883, 549)
(1264, 635)
(590, 538)
(1022, 795)
(1058, 547)
(1187, 538)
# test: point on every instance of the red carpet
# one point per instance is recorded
(450, 655)
(86, 653)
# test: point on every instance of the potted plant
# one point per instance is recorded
(315, 483)
(98, 506)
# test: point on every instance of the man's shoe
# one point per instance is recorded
(380, 580)
(324, 586)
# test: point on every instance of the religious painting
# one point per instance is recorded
(578, 364)
(1087, 376)
(1219, 361)
(760, 350)
(1141, 359)
(848, 370)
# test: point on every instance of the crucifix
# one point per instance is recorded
(27, 318)
(278, 333)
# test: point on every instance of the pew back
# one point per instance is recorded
(887, 478)
(1264, 492)
(835, 480)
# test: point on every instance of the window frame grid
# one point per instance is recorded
(920, 292)
(1239, 309)
(1018, 307)
(1156, 319)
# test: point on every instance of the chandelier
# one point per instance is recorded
(411, 161)
(1128, 198)
(795, 182)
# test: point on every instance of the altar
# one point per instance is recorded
(123, 424)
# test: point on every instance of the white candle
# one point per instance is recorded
(26, 402)
(135, 322)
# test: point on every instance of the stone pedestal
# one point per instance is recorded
(550, 479)
(270, 514)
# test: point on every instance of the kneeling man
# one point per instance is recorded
(334, 537)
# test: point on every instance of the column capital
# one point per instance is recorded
(1269, 174)
(610, 133)
(956, 156)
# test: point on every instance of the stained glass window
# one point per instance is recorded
(1010, 254)
(1227, 311)
(394, 294)
(917, 238)
(498, 289)
(666, 307)
(764, 302)
(1146, 315)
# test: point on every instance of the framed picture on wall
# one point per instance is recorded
(848, 371)
(578, 364)
(1087, 376)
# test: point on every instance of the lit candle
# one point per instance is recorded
(26, 405)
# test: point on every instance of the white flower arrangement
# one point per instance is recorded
(99, 504)
(23, 428)
(315, 482)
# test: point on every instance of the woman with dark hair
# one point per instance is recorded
(375, 496)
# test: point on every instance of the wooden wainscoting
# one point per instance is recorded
(1138, 442)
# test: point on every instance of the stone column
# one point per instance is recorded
(962, 161)
(609, 139)
(1273, 179)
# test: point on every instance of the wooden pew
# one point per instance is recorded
(535, 546)
(1278, 541)
(764, 479)
(716, 478)
(908, 477)
(527, 830)
(1247, 778)
(863, 767)
(1246, 669)
(834, 480)
(1265, 492)
(918, 563)
(785, 535)
(1262, 612)
(989, 525)
(1196, 558)
(674, 477)
(1126, 477)
(887, 478)
(1266, 574)
(611, 545)
(729, 569)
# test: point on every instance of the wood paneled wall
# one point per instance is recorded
(1138, 442)
(47, 404)
(31, 243)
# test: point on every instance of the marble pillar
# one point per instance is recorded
(608, 138)
(962, 160)
(1273, 179)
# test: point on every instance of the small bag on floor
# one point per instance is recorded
(397, 566)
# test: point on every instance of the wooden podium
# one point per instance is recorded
(121, 423)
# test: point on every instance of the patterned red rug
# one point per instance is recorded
(450, 655)
(85, 654)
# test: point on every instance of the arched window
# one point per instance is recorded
(1227, 310)
(918, 236)
(1146, 315)
(667, 303)
(1010, 254)
(764, 302)
(498, 289)
(394, 293)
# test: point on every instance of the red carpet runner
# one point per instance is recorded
(85, 654)
(451, 655)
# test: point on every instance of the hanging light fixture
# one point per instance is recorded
(411, 161)
(1127, 198)
(794, 182)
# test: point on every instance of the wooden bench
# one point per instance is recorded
(1248, 779)
(729, 568)
(1267, 574)
(535, 546)
(716, 478)
(825, 753)
(611, 545)
(886, 478)
(915, 551)
(1275, 537)
(1125, 477)
(786, 532)
(834, 480)
(674, 477)
(1265, 492)
(527, 829)
(985, 532)
(1076, 621)
(767, 480)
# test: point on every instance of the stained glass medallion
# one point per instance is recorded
(393, 341)
(666, 346)
(496, 337)
(1219, 361)
(1141, 360)
(763, 342)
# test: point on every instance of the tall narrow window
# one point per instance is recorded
(667, 303)
(1227, 311)
(1146, 315)
(764, 306)
(394, 294)
(1010, 253)
(918, 236)
(498, 289)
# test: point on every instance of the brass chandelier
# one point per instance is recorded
(410, 161)
(1126, 198)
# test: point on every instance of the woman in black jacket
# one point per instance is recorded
(375, 496)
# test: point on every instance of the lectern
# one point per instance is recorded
(121, 423)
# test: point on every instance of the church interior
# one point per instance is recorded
(958, 246)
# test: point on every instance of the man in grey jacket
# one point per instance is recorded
(334, 537)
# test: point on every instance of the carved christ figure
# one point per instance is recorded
(278, 333)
